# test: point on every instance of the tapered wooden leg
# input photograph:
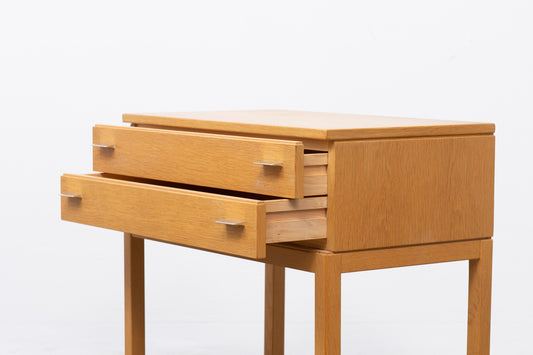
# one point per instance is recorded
(328, 305)
(479, 296)
(274, 309)
(134, 294)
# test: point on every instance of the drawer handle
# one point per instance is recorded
(71, 195)
(231, 222)
(105, 146)
(269, 163)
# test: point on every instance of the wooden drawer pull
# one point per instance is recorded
(269, 163)
(231, 222)
(105, 146)
(69, 195)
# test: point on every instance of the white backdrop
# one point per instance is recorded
(66, 65)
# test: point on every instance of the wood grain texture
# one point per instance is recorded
(316, 185)
(409, 255)
(294, 257)
(328, 305)
(218, 161)
(384, 193)
(327, 244)
(315, 174)
(316, 159)
(309, 203)
(168, 214)
(274, 309)
(134, 295)
(310, 125)
(181, 216)
(312, 144)
(479, 301)
(302, 228)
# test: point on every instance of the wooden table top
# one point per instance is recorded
(311, 125)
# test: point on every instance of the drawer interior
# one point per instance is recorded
(287, 220)
(273, 167)
(315, 173)
(284, 220)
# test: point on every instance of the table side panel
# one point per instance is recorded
(397, 192)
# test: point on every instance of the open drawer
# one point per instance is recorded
(192, 216)
(271, 167)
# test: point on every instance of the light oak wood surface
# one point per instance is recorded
(168, 214)
(328, 305)
(309, 203)
(220, 161)
(380, 192)
(190, 217)
(311, 144)
(274, 309)
(376, 259)
(134, 295)
(384, 193)
(311, 125)
(328, 267)
(479, 301)
(304, 258)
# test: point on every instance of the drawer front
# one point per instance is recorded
(166, 214)
(226, 224)
(262, 166)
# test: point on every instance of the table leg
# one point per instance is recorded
(134, 294)
(328, 305)
(274, 309)
(479, 296)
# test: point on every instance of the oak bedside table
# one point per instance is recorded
(324, 193)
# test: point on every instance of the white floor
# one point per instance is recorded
(246, 338)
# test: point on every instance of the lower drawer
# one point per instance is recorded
(222, 221)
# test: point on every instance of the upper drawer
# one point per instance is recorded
(263, 166)
(198, 218)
